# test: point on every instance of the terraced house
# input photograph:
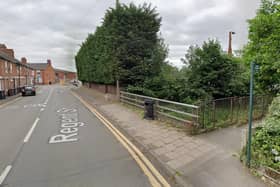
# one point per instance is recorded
(14, 74)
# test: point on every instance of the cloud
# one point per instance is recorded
(54, 28)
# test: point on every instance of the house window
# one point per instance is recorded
(38, 76)
(11, 67)
(6, 67)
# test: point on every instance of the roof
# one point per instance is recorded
(8, 58)
(38, 66)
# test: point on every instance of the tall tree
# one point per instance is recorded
(264, 45)
(125, 47)
(210, 73)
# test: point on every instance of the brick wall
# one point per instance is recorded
(64, 75)
(111, 89)
(71, 75)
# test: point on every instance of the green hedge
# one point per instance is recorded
(126, 47)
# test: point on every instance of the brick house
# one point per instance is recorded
(44, 72)
(13, 73)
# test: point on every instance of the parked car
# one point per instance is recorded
(28, 90)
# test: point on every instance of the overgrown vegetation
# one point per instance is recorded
(212, 74)
(208, 74)
(264, 46)
(266, 140)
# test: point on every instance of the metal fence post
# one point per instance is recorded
(214, 112)
(202, 111)
(156, 108)
(263, 105)
(231, 109)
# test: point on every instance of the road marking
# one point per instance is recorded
(34, 105)
(5, 174)
(48, 98)
(28, 135)
(150, 171)
(69, 126)
(42, 109)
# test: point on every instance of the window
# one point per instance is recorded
(6, 67)
(11, 67)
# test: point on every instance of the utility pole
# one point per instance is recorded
(230, 43)
(117, 3)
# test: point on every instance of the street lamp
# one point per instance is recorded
(230, 42)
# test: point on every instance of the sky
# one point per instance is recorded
(54, 29)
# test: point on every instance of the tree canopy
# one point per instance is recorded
(212, 74)
(125, 47)
(264, 45)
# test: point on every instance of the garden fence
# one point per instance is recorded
(232, 110)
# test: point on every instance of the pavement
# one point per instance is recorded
(53, 140)
(207, 160)
(8, 100)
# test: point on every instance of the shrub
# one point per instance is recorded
(266, 140)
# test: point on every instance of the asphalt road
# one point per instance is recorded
(52, 140)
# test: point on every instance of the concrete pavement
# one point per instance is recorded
(53, 140)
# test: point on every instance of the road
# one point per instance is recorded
(53, 140)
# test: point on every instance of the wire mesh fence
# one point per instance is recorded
(233, 110)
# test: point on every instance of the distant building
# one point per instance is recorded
(64, 75)
(44, 72)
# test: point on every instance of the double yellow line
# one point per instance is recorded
(155, 178)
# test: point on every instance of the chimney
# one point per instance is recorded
(9, 52)
(23, 60)
(49, 62)
(3, 46)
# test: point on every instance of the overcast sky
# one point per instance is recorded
(42, 29)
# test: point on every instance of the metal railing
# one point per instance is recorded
(185, 113)
(206, 115)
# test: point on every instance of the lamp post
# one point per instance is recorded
(230, 42)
